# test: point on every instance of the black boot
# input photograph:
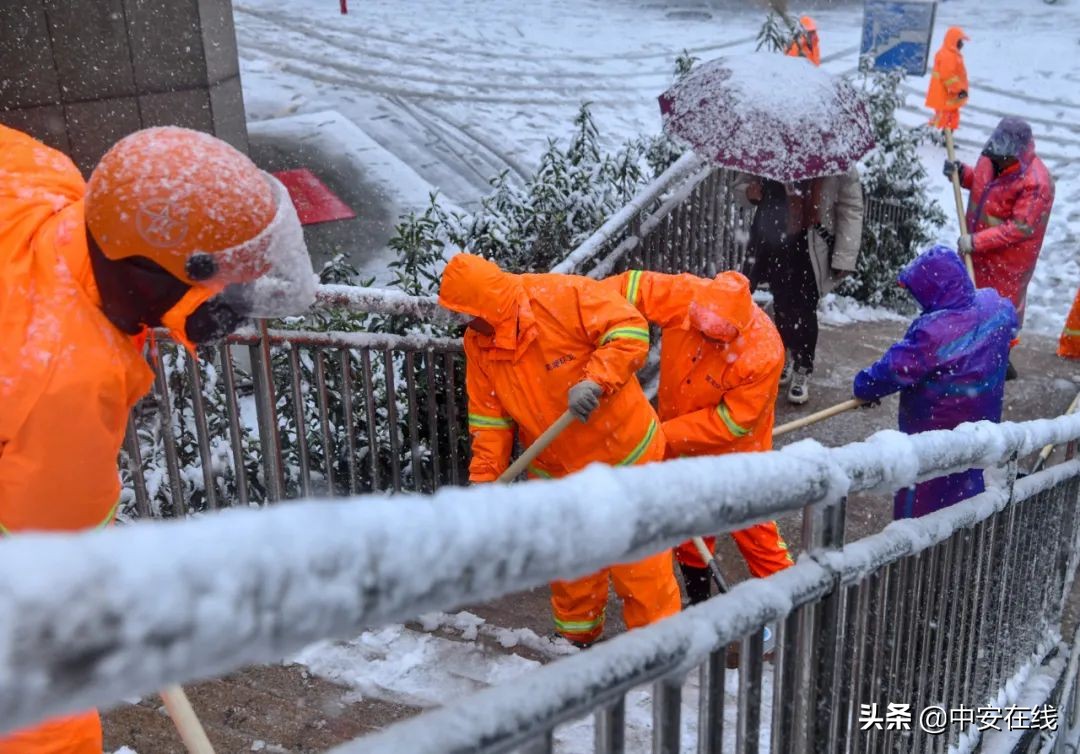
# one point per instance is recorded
(698, 583)
(1010, 372)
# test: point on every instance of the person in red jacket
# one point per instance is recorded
(1009, 206)
(720, 363)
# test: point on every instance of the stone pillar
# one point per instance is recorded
(80, 74)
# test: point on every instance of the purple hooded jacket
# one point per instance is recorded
(949, 367)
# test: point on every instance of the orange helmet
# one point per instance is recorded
(808, 23)
(181, 198)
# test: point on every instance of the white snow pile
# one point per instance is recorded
(569, 688)
(141, 612)
(781, 115)
(839, 310)
(411, 667)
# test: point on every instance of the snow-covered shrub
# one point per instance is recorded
(529, 228)
(903, 216)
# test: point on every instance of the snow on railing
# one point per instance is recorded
(509, 715)
(596, 244)
(356, 298)
(147, 603)
(331, 339)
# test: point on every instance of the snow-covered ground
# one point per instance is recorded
(418, 668)
(461, 89)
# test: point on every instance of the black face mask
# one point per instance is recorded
(137, 292)
(213, 320)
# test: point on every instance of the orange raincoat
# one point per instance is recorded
(717, 391)
(1069, 343)
(807, 44)
(551, 332)
(68, 379)
(947, 81)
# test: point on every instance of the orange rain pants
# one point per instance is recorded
(550, 332)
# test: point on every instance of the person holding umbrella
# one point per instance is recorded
(804, 240)
(782, 124)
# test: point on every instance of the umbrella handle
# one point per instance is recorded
(959, 197)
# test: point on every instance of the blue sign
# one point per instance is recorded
(897, 34)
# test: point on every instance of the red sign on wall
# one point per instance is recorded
(314, 201)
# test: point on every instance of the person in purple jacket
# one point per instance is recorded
(949, 367)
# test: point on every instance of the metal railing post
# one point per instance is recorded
(667, 711)
(266, 409)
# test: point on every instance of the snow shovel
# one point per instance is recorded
(185, 720)
(960, 214)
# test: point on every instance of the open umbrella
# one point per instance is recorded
(771, 115)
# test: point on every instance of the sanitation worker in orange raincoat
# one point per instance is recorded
(175, 229)
(720, 364)
(537, 346)
(948, 90)
(807, 44)
(1069, 343)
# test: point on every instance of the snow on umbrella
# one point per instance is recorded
(770, 115)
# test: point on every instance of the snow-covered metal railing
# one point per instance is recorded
(686, 220)
(295, 414)
(938, 612)
(162, 602)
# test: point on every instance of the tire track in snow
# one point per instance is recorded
(487, 84)
(463, 132)
(1074, 127)
(1024, 97)
(464, 50)
(445, 133)
(376, 87)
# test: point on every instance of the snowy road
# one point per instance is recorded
(460, 90)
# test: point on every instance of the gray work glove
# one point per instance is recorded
(965, 244)
(583, 399)
(950, 167)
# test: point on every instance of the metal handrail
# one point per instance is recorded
(470, 545)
